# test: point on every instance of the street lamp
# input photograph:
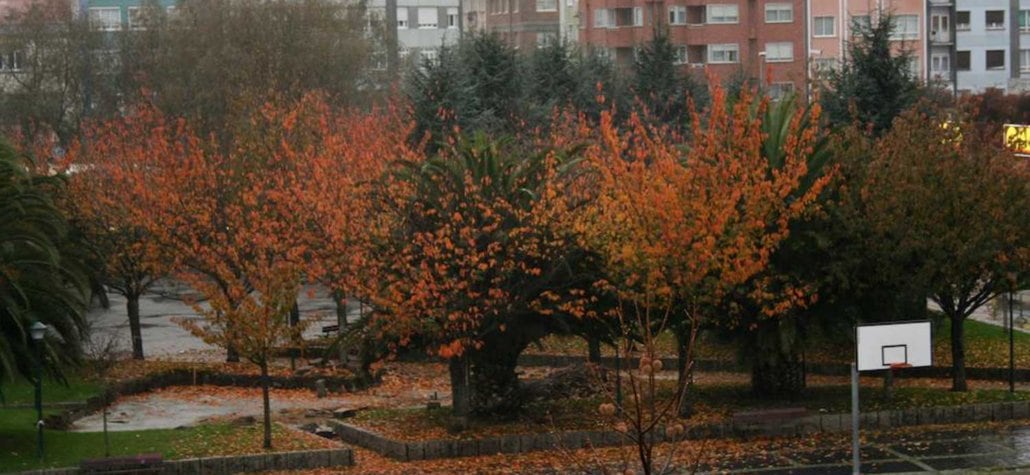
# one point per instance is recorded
(38, 330)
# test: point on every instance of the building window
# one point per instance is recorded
(906, 27)
(940, 63)
(780, 90)
(823, 26)
(1024, 60)
(824, 66)
(515, 6)
(546, 5)
(544, 39)
(428, 18)
(722, 14)
(429, 55)
(681, 55)
(724, 53)
(779, 13)
(618, 17)
(105, 18)
(779, 52)
(962, 20)
(914, 67)
(677, 15)
(962, 61)
(1024, 20)
(994, 19)
(995, 59)
(402, 18)
(11, 61)
(452, 18)
(860, 23)
(137, 18)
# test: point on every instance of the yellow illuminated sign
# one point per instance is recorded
(1017, 138)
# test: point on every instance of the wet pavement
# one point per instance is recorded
(166, 303)
(1004, 450)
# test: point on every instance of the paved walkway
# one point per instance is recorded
(165, 303)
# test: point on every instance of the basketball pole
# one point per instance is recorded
(856, 461)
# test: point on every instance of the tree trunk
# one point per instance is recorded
(594, 349)
(231, 355)
(135, 328)
(958, 354)
(341, 321)
(781, 377)
(461, 398)
(100, 292)
(682, 375)
(267, 406)
(294, 344)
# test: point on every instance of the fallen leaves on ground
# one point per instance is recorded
(225, 438)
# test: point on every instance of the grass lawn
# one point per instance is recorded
(986, 346)
(66, 449)
(77, 389)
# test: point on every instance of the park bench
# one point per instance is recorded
(330, 329)
(768, 421)
(143, 463)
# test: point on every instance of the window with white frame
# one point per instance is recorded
(428, 18)
(995, 59)
(724, 53)
(824, 27)
(105, 18)
(137, 18)
(618, 17)
(429, 55)
(1024, 20)
(779, 12)
(681, 55)
(779, 52)
(546, 5)
(452, 18)
(823, 66)
(10, 61)
(780, 90)
(914, 66)
(1024, 60)
(721, 14)
(601, 18)
(860, 23)
(677, 15)
(402, 18)
(906, 27)
(940, 63)
(515, 5)
(546, 38)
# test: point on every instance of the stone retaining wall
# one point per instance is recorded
(241, 463)
(522, 443)
(1022, 375)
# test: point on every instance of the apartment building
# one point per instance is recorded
(980, 44)
(423, 26)
(832, 25)
(522, 23)
(120, 15)
(764, 39)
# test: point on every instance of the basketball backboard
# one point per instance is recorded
(898, 344)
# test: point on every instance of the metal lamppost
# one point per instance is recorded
(38, 330)
(1012, 334)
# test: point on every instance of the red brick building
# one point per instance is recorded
(523, 23)
(764, 39)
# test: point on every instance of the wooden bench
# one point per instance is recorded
(143, 463)
(769, 421)
(328, 329)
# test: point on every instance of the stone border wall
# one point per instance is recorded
(522, 443)
(1022, 375)
(242, 463)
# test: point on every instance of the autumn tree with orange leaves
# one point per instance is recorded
(681, 221)
(224, 213)
(478, 266)
(101, 202)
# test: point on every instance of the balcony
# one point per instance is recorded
(941, 37)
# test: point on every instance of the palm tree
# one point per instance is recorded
(40, 278)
